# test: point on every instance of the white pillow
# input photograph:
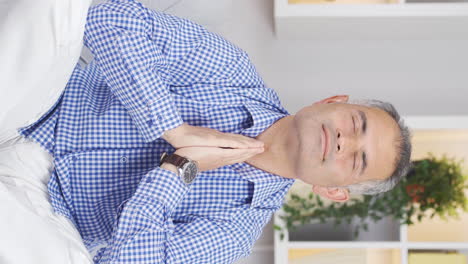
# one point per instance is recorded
(40, 43)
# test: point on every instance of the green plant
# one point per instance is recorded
(434, 186)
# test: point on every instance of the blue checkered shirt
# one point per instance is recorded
(152, 72)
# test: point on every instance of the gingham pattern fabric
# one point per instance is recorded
(153, 71)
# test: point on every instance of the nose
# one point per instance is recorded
(345, 143)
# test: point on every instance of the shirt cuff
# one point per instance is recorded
(156, 118)
(164, 186)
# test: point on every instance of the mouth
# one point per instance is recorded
(325, 142)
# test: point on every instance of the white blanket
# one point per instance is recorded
(40, 43)
(30, 231)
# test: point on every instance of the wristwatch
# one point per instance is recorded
(187, 168)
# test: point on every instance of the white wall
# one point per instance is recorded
(419, 77)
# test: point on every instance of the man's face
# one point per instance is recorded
(342, 144)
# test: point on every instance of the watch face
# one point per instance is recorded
(190, 172)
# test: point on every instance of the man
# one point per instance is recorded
(164, 84)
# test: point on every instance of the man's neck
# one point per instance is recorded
(280, 145)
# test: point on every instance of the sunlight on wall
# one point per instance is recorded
(436, 258)
(348, 256)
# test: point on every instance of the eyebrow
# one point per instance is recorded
(363, 127)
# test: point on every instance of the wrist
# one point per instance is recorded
(170, 135)
(169, 167)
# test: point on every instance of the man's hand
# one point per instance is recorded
(209, 147)
(195, 136)
(210, 158)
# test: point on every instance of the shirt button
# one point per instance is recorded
(123, 159)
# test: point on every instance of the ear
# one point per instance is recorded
(334, 99)
(332, 193)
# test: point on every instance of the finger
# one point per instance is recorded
(240, 141)
(249, 154)
(254, 143)
(250, 142)
(215, 138)
(253, 151)
(230, 142)
(239, 155)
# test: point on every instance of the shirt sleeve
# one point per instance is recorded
(145, 232)
(142, 53)
(119, 34)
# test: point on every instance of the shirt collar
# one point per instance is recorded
(265, 183)
(263, 116)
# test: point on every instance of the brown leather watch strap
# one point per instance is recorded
(174, 159)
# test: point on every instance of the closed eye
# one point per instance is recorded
(354, 160)
(354, 124)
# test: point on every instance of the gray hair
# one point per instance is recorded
(402, 163)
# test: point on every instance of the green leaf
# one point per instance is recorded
(356, 232)
(420, 216)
